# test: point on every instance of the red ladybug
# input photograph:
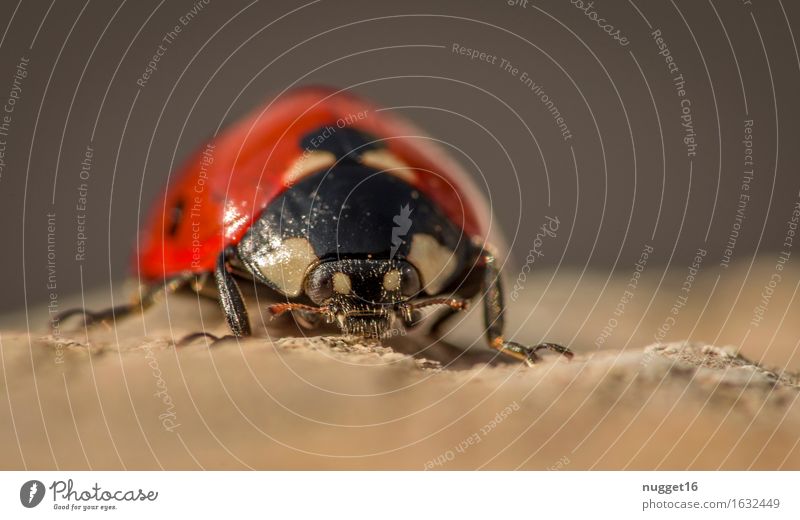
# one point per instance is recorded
(345, 211)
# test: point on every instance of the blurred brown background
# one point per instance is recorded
(630, 184)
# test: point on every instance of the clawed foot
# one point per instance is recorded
(528, 355)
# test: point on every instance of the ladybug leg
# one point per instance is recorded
(230, 297)
(493, 311)
(147, 298)
(441, 320)
(94, 317)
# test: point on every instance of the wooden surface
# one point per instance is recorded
(124, 397)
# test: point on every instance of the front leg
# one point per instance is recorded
(493, 311)
(147, 297)
(230, 297)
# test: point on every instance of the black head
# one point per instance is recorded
(359, 241)
(362, 295)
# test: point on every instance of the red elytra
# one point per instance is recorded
(228, 182)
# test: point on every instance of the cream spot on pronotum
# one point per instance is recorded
(434, 262)
(286, 265)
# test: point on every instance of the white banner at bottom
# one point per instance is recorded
(354, 495)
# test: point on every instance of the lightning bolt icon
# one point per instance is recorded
(32, 492)
(402, 225)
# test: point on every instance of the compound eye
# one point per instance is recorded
(405, 279)
(319, 286)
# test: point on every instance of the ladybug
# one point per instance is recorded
(345, 211)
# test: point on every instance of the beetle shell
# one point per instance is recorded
(225, 187)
